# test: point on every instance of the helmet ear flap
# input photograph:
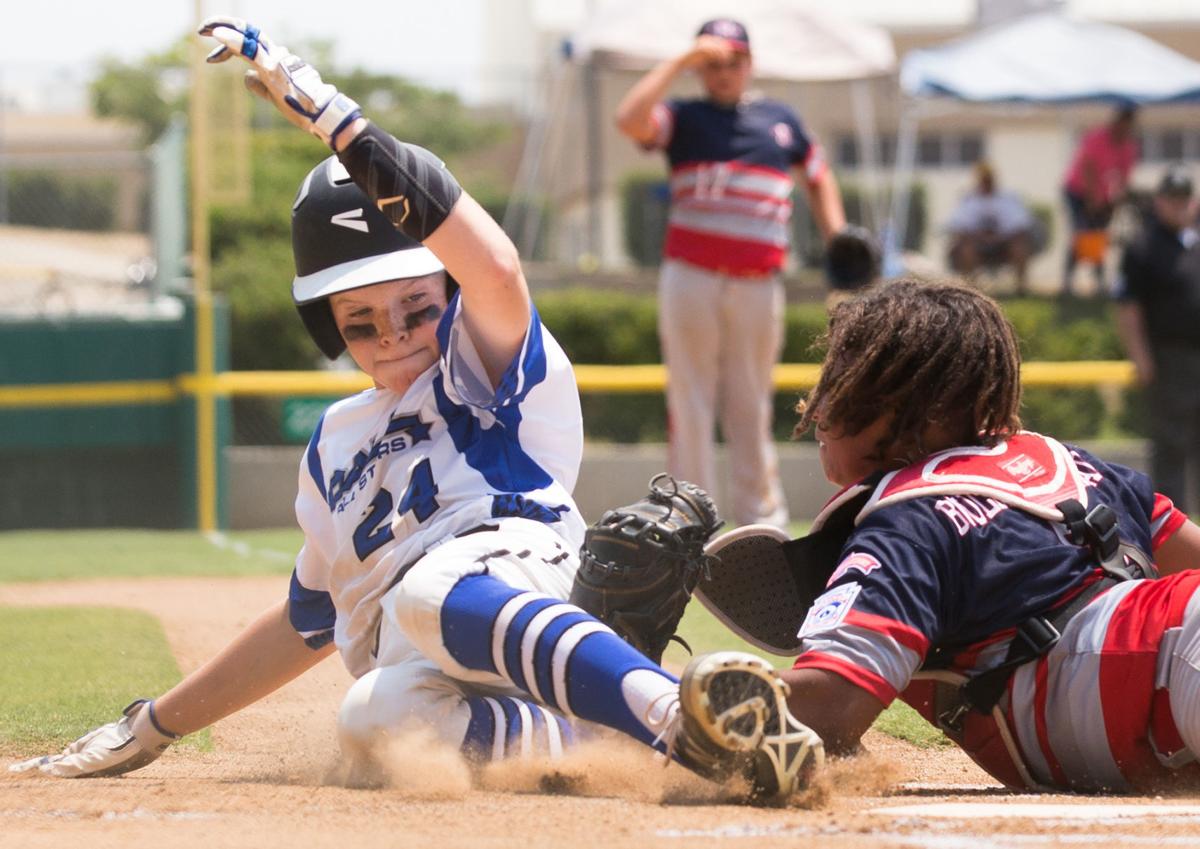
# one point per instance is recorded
(318, 320)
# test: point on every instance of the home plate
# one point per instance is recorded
(1032, 810)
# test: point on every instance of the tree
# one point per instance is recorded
(251, 243)
(434, 119)
(146, 93)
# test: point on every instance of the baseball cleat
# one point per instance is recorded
(734, 720)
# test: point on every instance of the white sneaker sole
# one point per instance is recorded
(734, 721)
(752, 718)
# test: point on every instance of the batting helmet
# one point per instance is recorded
(340, 241)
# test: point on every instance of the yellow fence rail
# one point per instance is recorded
(591, 378)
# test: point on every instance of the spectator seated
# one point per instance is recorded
(990, 229)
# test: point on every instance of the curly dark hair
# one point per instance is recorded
(930, 354)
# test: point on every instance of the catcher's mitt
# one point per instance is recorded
(639, 564)
(852, 258)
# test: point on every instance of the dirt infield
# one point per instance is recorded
(272, 781)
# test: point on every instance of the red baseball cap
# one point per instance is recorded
(730, 30)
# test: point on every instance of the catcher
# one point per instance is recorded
(1037, 603)
(440, 537)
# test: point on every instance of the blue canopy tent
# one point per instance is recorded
(1047, 59)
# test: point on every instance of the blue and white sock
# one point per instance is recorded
(502, 726)
(560, 655)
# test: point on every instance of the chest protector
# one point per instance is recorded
(765, 583)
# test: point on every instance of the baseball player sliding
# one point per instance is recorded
(440, 537)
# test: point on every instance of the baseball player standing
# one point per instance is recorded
(721, 298)
(440, 537)
(1002, 583)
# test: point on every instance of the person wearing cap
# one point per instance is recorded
(1096, 180)
(990, 227)
(440, 537)
(1158, 320)
(733, 159)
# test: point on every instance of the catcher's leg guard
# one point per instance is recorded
(733, 719)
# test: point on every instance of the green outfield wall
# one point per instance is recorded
(75, 455)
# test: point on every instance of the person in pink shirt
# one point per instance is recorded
(1097, 179)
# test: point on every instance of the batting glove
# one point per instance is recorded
(285, 80)
(130, 743)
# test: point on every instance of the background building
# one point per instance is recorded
(582, 161)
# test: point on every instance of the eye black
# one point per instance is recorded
(355, 332)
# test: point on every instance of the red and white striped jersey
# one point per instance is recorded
(731, 182)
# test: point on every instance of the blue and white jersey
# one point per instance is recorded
(388, 477)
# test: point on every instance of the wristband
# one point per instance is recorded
(410, 185)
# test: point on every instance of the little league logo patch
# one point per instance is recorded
(783, 134)
(829, 610)
(859, 560)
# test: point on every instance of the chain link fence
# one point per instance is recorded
(89, 215)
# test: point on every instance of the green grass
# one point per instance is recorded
(66, 555)
(67, 670)
(899, 720)
(704, 634)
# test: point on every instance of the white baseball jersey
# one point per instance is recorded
(388, 477)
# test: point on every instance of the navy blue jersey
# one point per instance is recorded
(754, 133)
(958, 570)
(935, 568)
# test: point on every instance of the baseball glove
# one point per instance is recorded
(852, 258)
(639, 564)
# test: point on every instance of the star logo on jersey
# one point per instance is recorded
(417, 430)
(1023, 468)
(342, 481)
(351, 219)
(403, 432)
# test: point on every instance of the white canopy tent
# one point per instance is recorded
(792, 41)
(1041, 59)
(797, 41)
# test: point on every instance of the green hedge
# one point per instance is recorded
(68, 201)
(605, 327)
(806, 239)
